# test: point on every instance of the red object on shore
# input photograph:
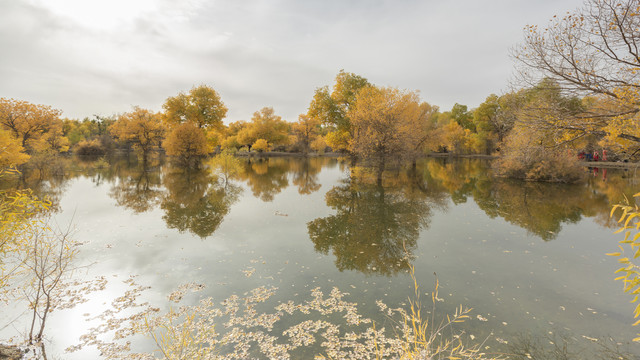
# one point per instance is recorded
(604, 155)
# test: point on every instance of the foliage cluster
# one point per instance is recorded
(526, 158)
(630, 270)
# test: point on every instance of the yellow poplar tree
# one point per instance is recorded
(592, 51)
(187, 143)
(386, 122)
(11, 151)
(25, 120)
(142, 127)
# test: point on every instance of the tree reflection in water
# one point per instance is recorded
(196, 201)
(539, 208)
(266, 177)
(137, 188)
(376, 225)
(305, 174)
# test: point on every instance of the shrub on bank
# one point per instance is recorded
(551, 166)
(529, 158)
(89, 147)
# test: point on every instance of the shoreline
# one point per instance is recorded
(610, 164)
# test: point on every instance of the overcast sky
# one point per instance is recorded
(102, 57)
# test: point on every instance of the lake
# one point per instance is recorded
(529, 258)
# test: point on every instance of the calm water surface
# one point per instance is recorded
(529, 258)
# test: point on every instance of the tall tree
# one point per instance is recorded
(265, 124)
(305, 131)
(187, 143)
(386, 122)
(332, 108)
(26, 120)
(462, 116)
(141, 127)
(592, 51)
(201, 106)
(11, 152)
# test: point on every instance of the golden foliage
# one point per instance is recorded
(11, 152)
(630, 271)
(260, 145)
(265, 124)
(338, 140)
(319, 145)
(525, 156)
(141, 127)
(332, 108)
(306, 130)
(592, 51)
(89, 147)
(25, 120)
(388, 122)
(187, 143)
(201, 106)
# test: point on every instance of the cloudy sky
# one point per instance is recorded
(102, 57)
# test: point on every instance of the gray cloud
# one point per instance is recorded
(258, 53)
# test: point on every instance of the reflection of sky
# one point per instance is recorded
(506, 274)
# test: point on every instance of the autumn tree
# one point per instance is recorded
(227, 165)
(54, 139)
(527, 155)
(593, 51)
(189, 117)
(187, 143)
(229, 138)
(87, 129)
(386, 122)
(261, 145)
(265, 124)
(11, 151)
(26, 121)
(319, 145)
(306, 129)
(332, 108)
(141, 127)
(500, 113)
(202, 106)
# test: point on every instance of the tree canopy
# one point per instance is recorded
(143, 128)
(590, 52)
(202, 106)
(27, 121)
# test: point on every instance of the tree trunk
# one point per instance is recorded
(381, 164)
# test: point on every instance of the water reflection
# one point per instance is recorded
(375, 225)
(564, 345)
(305, 174)
(137, 188)
(195, 201)
(541, 209)
(266, 177)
